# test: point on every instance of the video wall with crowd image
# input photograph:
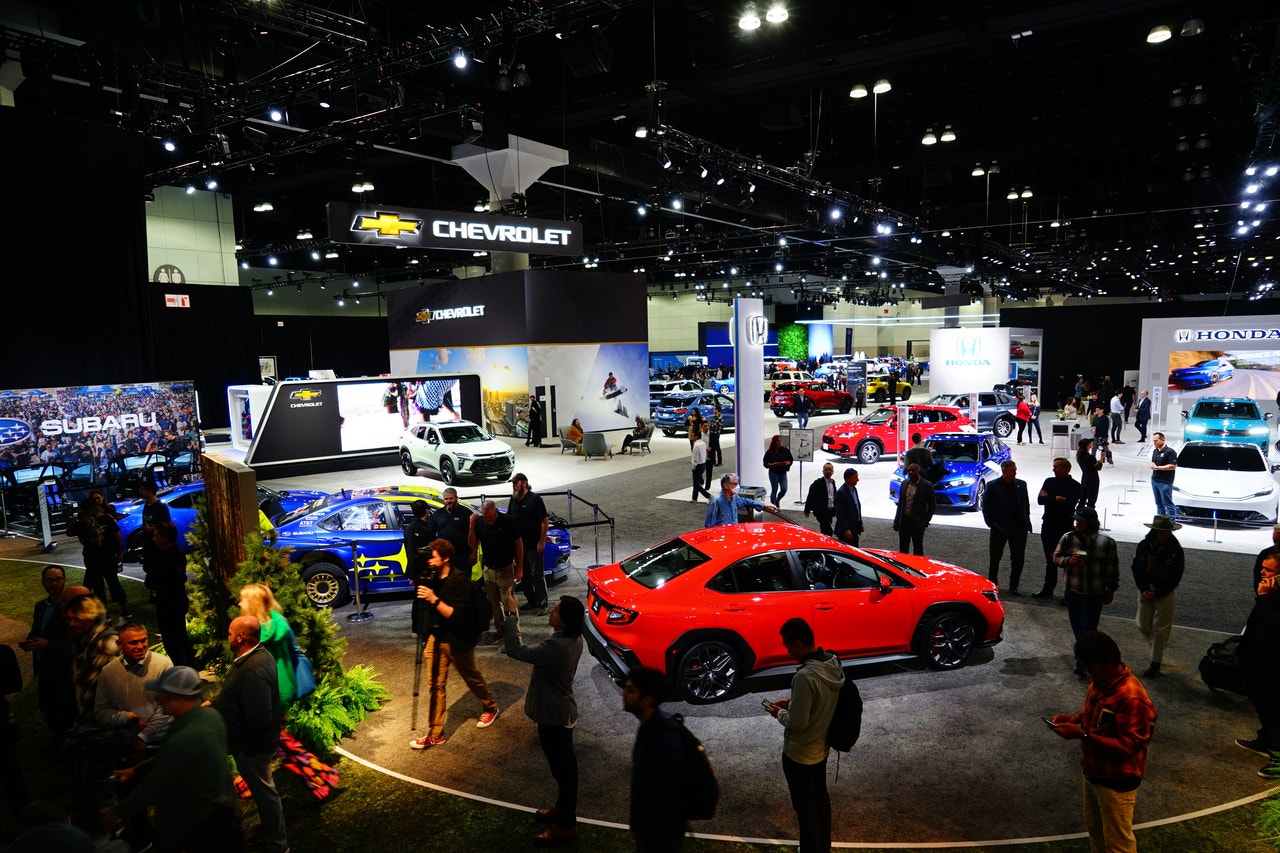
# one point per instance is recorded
(97, 435)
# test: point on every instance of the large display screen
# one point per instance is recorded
(96, 435)
(333, 418)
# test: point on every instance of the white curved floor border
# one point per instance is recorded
(845, 845)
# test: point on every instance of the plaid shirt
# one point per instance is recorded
(1120, 708)
(1100, 571)
(97, 649)
(717, 424)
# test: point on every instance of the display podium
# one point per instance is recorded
(1063, 436)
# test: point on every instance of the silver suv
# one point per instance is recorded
(997, 411)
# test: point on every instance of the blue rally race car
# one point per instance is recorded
(181, 501)
(971, 461)
(364, 529)
(1202, 374)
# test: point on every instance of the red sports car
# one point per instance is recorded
(706, 607)
(875, 434)
(823, 396)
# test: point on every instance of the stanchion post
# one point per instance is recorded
(361, 614)
(1215, 540)
(1119, 502)
(1103, 526)
(1131, 479)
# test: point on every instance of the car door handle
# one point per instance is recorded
(735, 608)
(825, 605)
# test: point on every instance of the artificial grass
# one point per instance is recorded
(371, 811)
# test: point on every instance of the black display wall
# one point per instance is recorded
(79, 309)
(349, 346)
(1095, 340)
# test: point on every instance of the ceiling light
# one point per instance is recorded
(1193, 27)
(480, 207)
(331, 254)
(978, 171)
(929, 138)
(367, 186)
(305, 234)
(720, 180)
(1198, 96)
(1158, 34)
(276, 114)
(858, 91)
(315, 256)
(1026, 192)
(1270, 172)
(521, 78)
(882, 85)
(751, 187)
(702, 173)
(358, 186)
(190, 189)
(1013, 194)
(642, 131)
(263, 207)
(170, 145)
(1182, 144)
(503, 83)
(777, 12)
(1203, 142)
(750, 19)
(677, 204)
(270, 292)
(272, 261)
(665, 159)
(642, 210)
(324, 103)
(1178, 100)
(460, 58)
(836, 213)
(211, 183)
(948, 135)
(244, 265)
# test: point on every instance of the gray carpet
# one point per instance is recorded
(954, 756)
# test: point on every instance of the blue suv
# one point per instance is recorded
(673, 410)
(1233, 419)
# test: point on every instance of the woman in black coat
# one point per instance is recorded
(1090, 482)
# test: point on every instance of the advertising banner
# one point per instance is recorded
(335, 418)
(964, 360)
(416, 228)
(96, 436)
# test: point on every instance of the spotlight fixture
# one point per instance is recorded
(1198, 97)
(664, 158)
(750, 19)
(1159, 33)
(169, 145)
(858, 91)
(642, 132)
(751, 187)
(929, 138)
(948, 135)
(882, 85)
(358, 186)
(1193, 27)
(263, 207)
(367, 186)
(276, 114)
(978, 171)
(315, 255)
(777, 12)
(1182, 144)
(211, 183)
(641, 210)
(480, 206)
(1026, 192)
(460, 58)
(702, 172)
(503, 82)
(305, 234)
(521, 78)
(1178, 100)
(1012, 195)
(720, 180)
(677, 204)
(272, 261)
(190, 189)
(331, 254)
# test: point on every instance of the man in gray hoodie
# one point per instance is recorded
(805, 716)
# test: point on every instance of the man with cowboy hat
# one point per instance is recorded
(1157, 570)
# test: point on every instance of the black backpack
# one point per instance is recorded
(699, 790)
(846, 723)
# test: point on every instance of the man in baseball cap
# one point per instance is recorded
(187, 781)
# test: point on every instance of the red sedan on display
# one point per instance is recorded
(706, 607)
(821, 394)
(875, 434)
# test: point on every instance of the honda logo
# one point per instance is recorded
(1182, 336)
(757, 330)
(968, 347)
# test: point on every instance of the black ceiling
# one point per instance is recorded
(1137, 151)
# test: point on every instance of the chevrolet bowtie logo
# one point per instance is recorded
(387, 224)
(423, 316)
(308, 394)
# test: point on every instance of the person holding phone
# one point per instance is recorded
(1114, 728)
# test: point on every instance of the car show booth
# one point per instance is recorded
(579, 340)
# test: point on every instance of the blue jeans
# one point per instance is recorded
(802, 420)
(777, 485)
(1164, 498)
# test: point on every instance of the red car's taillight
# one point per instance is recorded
(620, 616)
(681, 411)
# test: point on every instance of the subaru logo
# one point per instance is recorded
(13, 431)
(757, 330)
(968, 347)
(1182, 336)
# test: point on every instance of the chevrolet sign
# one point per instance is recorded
(441, 229)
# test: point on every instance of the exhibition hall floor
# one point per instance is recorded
(945, 757)
(950, 757)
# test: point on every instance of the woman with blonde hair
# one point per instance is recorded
(258, 601)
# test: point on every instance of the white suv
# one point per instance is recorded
(459, 450)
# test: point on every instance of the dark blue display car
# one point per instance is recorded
(364, 529)
(971, 461)
(673, 410)
(181, 501)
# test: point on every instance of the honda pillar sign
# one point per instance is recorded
(750, 331)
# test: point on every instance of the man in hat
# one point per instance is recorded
(1157, 569)
(1091, 573)
(186, 785)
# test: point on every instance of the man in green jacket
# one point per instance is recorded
(187, 783)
